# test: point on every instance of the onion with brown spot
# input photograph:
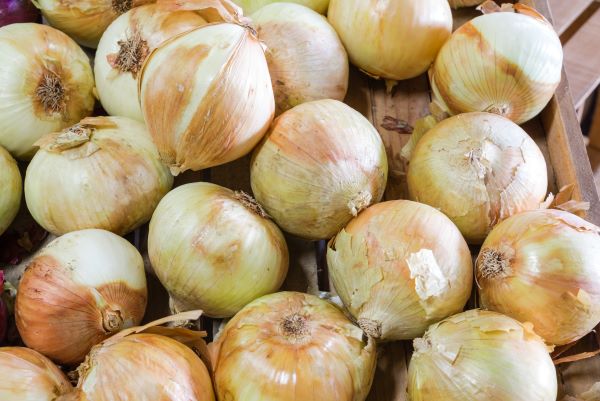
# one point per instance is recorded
(12, 190)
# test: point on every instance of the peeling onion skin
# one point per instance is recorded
(542, 267)
(306, 58)
(464, 3)
(27, 375)
(292, 345)
(211, 251)
(481, 356)
(112, 181)
(12, 190)
(392, 39)
(79, 290)
(321, 163)
(516, 78)
(478, 169)
(399, 267)
(46, 82)
(251, 6)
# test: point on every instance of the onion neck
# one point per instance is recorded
(250, 203)
(121, 6)
(112, 321)
(50, 93)
(359, 202)
(371, 327)
(494, 264)
(294, 327)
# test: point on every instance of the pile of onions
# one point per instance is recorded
(14, 11)
(12, 189)
(104, 172)
(85, 21)
(392, 39)
(29, 376)
(514, 78)
(481, 355)
(292, 346)
(464, 3)
(542, 267)
(46, 84)
(306, 59)
(321, 163)
(399, 267)
(79, 290)
(123, 49)
(251, 6)
(478, 169)
(215, 250)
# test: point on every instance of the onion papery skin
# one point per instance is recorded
(464, 3)
(306, 58)
(216, 105)
(213, 250)
(516, 78)
(29, 376)
(46, 84)
(542, 267)
(12, 190)
(478, 169)
(320, 164)
(79, 290)
(144, 367)
(15, 11)
(251, 6)
(393, 39)
(481, 356)
(85, 21)
(399, 267)
(109, 174)
(293, 346)
(123, 48)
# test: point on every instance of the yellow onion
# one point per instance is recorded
(79, 290)
(306, 59)
(206, 96)
(399, 267)
(104, 172)
(320, 164)
(392, 39)
(215, 249)
(478, 169)
(481, 68)
(542, 267)
(46, 84)
(84, 21)
(464, 3)
(124, 47)
(251, 6)
(29, 376)
(12, 189)
(292, 346)
(481, 356)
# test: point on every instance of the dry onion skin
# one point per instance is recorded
(542, 267)
(29, 376)
(109, 174)
(46, 84)
(216, 105)
(478, 169)
(215, 249)
(392, 39)
(306, 58)
(481, 356)
(464, 3)
(292, 346)
(123, 49)
(77, 291)
(516, 78)
(399, 267)
(251, 6)
(320, 164)
(12, 189)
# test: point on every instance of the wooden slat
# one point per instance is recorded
(565, 12)
(391, 374)
(594, 133)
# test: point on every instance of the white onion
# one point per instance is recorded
(12, 189)
(251, 6)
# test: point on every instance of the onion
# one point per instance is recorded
(292, 346)
(124, 47)
(251, 6)
(14, 11)
(29, 376)
(464, 3)
(77, 291)
(321, 164)
(542, 267)
(109, 174)
(215, 249)
(306, 59)
(392, 39)
(517, 74)
(399, 267)
(481, 356)
(478, 169)
(12, 188)
(206, 96)
(46, 84)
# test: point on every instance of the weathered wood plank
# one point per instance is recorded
(565, 13)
